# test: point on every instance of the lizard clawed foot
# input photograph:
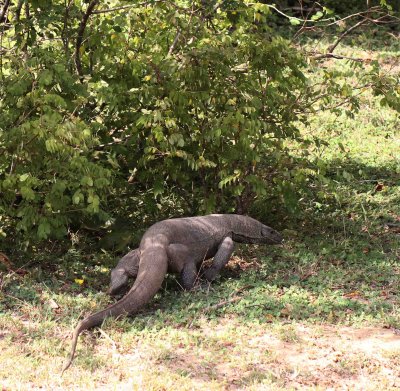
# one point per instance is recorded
(200, 285)
(210, 274)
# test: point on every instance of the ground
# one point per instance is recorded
(320, 312)
(217, 355)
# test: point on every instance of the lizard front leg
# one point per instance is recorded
(221, 258)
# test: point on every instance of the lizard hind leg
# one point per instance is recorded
(181, 260)
(189, 276)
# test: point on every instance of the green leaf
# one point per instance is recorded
(77, 197)
(44, 229)
(45, 77)
(317, 16)
(27, 193)
(87, 180)
(158, 188)
(294, 21)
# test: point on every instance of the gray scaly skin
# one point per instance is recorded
(128, 267)
(176, 246)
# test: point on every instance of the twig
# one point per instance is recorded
(304, 27)
(233, 299)
(20, 300)
(179, 32)
(106, 336)
(393, 225)
(222, 304)
(240, 290)
(342, 103)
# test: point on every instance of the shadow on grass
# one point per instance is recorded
(340, 264)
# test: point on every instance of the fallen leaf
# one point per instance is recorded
(53, 304)
(21, 272)
(6, 261)
(269, 318)
(352, 294)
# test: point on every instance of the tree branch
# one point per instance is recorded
(339, 57)
(79, 39)
(172, 47)
(116, 141)
(362, 13)
(4, 10)
(271, 6)
(18, 10)
(122, 7)
(348, 31)
(103, 11)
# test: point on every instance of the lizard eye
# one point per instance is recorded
(265, 231)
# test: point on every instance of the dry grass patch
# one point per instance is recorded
(226, 356)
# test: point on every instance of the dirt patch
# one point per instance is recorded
(298, 357)
(340, 357)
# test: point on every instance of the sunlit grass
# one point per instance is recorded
(333, 284)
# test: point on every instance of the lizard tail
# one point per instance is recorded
(152, 270)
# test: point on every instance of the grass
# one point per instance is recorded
(321, 311)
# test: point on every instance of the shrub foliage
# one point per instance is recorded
(109, 108)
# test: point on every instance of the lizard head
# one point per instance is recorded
(270, 236)
(119, 281)
(127, 268)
